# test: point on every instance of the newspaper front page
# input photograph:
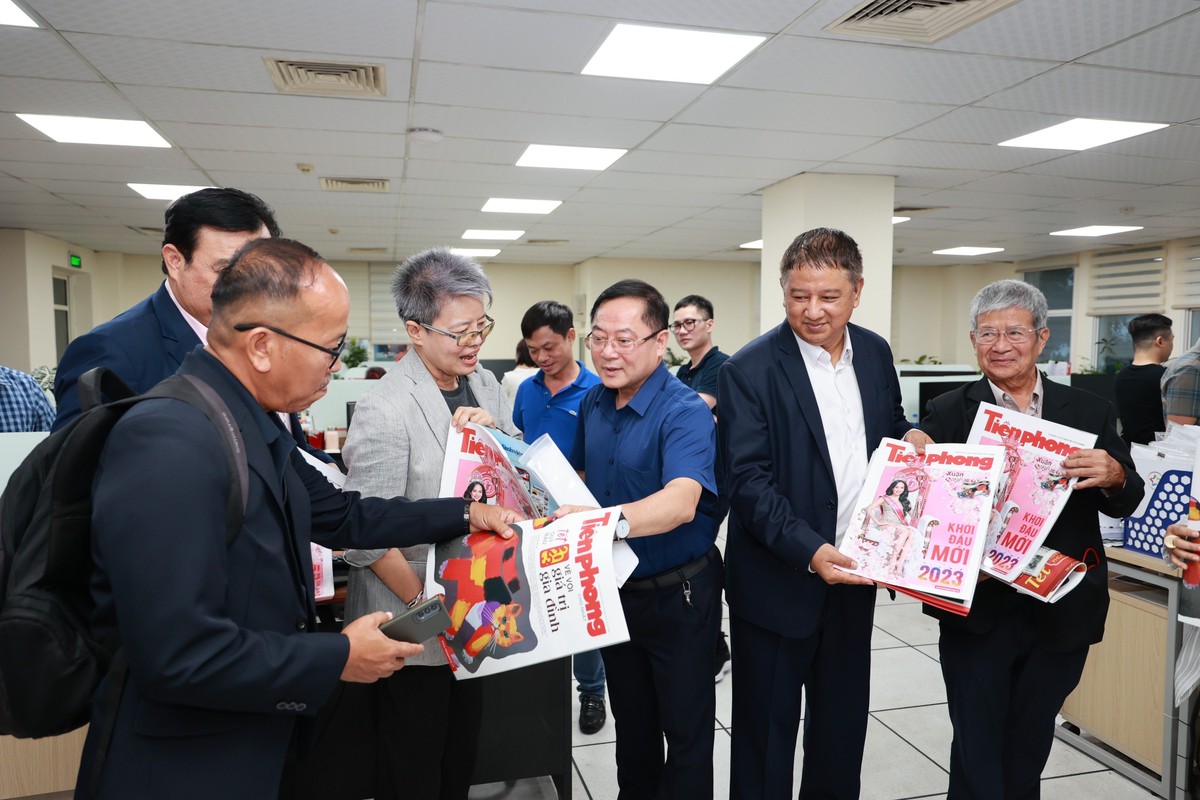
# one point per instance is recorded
(548, 592)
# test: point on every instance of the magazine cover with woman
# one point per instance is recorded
(921, 520)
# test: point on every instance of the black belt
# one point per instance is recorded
(676, 575)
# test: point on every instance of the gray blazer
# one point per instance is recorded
(396, 446)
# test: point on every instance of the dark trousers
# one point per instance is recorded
(1004, 690)
(428, 734)
(660, 683)
(833, 669)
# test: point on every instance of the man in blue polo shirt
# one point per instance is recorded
(549, 403)
(646, 442)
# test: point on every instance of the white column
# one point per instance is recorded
(860, 205)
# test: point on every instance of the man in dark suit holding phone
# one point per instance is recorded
(803, 406)
(1011, 662)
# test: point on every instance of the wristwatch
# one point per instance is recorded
(621, 531)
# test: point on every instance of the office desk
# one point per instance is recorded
(1126, 697)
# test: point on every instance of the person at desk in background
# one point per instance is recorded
(523, 371)
(1181, 387)
(646, 442)
(427, 725)
(24, 407)
(692, 326)
(802, 406)
(1010, 664)
(549, 403)
(224, 664)
(1138, 386)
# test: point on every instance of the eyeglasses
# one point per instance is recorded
(334, 353)
(1013, 335)
(622, 345)
(686, 325)
(467, 338)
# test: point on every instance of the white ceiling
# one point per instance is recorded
(497, 75)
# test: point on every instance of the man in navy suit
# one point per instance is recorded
(219, 639)
(148, 342)
(1011, 662)
(802, 408)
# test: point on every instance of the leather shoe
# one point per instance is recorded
(591, 714)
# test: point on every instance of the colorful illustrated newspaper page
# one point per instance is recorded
(477, 467)
(1049, 575)
(1033, 489)
(547, 592)
(920, 520)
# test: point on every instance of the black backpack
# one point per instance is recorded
(50, 665)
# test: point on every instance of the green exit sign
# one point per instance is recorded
(75, 261)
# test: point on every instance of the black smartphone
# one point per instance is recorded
(423, 621)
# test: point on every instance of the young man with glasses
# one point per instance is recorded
(646, 443)
(693, 330)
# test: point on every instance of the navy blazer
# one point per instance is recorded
(142, 346)
(1077, 619)
(777, 474)
(222, 657)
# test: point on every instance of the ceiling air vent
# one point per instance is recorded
(154, 233)
(546, 242)
(376, 185)
(917, 21)
(327, 77)
(368, 251)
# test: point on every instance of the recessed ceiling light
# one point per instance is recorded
(475, 252)
(11, 14)
(93, 130)
(559, 157)
(755, 245)
(1082, 134)
(507, 236)
(968, 251)
(1097, 230)
(669, 54)
(898, 220)
(163, 191)
(516, 205)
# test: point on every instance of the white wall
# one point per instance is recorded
(930, 306)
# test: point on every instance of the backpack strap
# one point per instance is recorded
(194, 391)
(97, 382)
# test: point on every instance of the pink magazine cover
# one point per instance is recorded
(1033, 489)
(920, 521)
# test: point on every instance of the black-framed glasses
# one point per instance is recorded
(622, 345)
(1013, 335)
(334, 353)
(466, 338)
(686, 325)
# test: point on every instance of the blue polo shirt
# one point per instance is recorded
(536, 411)
(665, 432)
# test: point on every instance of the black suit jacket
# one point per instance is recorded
(222, 657)
(777, 473)
(1077, 619)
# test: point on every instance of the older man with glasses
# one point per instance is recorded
(1011, 662)
(646, 443)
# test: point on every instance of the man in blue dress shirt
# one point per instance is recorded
(646, 442)
(549, 403)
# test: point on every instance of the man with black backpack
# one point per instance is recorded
(217, 635)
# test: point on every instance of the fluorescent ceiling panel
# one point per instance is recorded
(94, 130)
(1097, 230)
(755, 245)
(669, 54)
(516, 205)
(475, 252)
(163, 191)
(559, 157)
(1082, 134)
(11, 14)
(968, 251)
(507, 236)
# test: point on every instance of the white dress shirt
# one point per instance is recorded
(840, 402)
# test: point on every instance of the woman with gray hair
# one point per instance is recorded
(427, 722)
(1010, 663)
